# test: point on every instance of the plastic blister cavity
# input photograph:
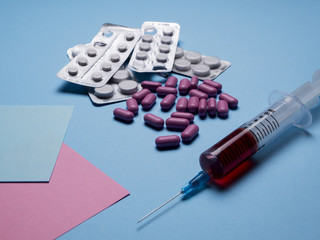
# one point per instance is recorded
(95, 63)
(193, 63)
(155, 51)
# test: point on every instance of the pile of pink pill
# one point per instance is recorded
(202, 101)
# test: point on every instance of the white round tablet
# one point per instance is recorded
(129, 36)
(168, 31)
(193, 57)
(105, 91)
(144, 46)
(91, 52)
(115, 57)
(73, 71)
(212, 62)
(147, 38)
(106, 66)
(96, 76)
(179, 53)
(121, 75)
(128, 87)
(164, 48)
(201, 70)
(166, 40)
(82, 61)
(182, 65)
(141, 55)
(161, 57)
(122, 47)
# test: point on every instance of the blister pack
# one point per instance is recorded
(156, 49)
(193, 63)
(97, 62)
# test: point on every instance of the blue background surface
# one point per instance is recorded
(271, 45)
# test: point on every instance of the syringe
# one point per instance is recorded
(285, 110)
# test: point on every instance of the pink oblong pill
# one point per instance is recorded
(184, 86)
(185, 115)
(182, 104)
(189, 133)
(148, 101)
(222, 108)
(233, 102)
(167, 102)
(152, 86)
(123, 114)
(168, 141)
(171, 82)
(141, 94)
(209, 90)
(197, 93)
(177, 123)
(193, 104)
(153, 120)
(164, 91)
(212, 107)
(214, 84)
(202, 108)
(194, 82)
(132, 105)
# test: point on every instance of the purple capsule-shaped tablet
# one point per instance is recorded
(189, 133)
(153, 120)
(132, 105)
(168, 141)
(193, 104)
(123, 114)
(233, 102)
(222, 108)
(167, 102)
(214, 84)
(209, 90)
(185, 115)
(212, 107)
(197, 93)
(171, 82)
(194, 82)
(164, 91)
(202, 108)
(182, 104)
(141, 95)
(148, 101)
(152, 86)
(184, 86)
(177, 123)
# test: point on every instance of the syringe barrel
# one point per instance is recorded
(241, 144)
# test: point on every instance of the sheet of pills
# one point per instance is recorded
(97, 62)
(155, 51)
(194, 64)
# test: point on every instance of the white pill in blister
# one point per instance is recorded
(82, 61)
(96, 76)
(106, 66)
(72, 71)
(121, 75)
(163, 48)
(166, 40)
(114, 57)
(147, 38)
(179, 53)
(201, 70)
(91, 52)
(141, 55)
(161, 57)
(211, 62)
(122, 47)
(145, 46)
(193, 57)
(128, 87)
(129, 36)
(168, 31)
(105, 91)
(182, 65)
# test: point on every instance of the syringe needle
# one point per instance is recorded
(159, 207)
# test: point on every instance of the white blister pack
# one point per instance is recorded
(97, 62)
(193, 63)
(156, 49)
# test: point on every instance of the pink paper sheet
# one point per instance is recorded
(77, 190)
